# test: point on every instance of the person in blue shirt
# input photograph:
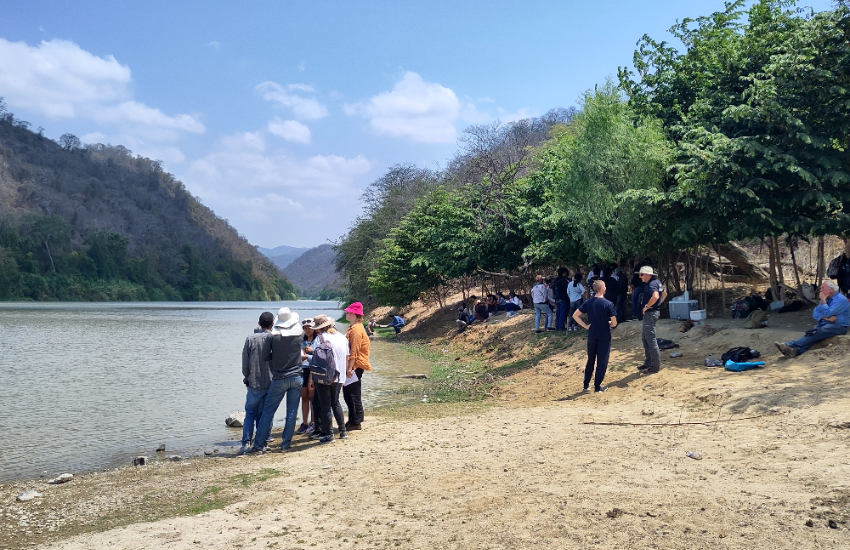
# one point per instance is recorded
(603, 317)
(398, 322)
(832, 315)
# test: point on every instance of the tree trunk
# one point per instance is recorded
(722, 280)
(794, 265)
(780, 271)
(738, 257)
(821, 261)
(49, 255)
(774, 286)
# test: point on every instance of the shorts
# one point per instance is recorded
(305, 378)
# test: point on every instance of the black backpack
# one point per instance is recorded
(740, 355)
(323, 363)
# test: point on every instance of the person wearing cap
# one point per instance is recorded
(257, 377)
(329, 406)
(650, 302)
(357, 363)
(307, 410)
(282, 349)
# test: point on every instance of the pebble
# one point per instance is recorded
(235, 419)
(28, 495)
(696, 455)
(676, 354)
(161, 448)
(832, 524)
(140, 461)
(809, 523)
(175, 458)
(64, 478)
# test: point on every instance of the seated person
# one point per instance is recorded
(500, 302)
(465, 317)
(832, 315)
(482, 312)
(513, 305)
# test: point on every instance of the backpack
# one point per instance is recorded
(834, 266)
(740, 355)
(323, 363)
(740, 309)
(755, 319)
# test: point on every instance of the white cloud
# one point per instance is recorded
(302, 107)
(290, 130)
(519, 114)
(60, 80)
(419, 110)
(256, 188)
(215, 44)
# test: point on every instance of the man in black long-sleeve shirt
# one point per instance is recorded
(560, 285)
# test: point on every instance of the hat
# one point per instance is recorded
(647, 270)
(307, 322)
(286, 323)
(321, 321)
(356, 308)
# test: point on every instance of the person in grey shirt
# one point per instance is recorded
(282, 349)
(257, 377)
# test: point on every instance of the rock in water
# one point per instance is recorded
(140, 461)
(235, 419)
(64, 478)
(161, 448)
(28, 495)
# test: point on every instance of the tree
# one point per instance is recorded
(48, 230)
(70, 142)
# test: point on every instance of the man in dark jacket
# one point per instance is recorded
(282, 349)
(257, 377)
(562, 298)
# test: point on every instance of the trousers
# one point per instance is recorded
(598, 351)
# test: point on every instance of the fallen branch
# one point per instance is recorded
(503, 274)
(706, 423)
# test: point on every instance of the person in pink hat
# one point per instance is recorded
(356, 364)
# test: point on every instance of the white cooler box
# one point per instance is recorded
(681, 309)
(698, 315)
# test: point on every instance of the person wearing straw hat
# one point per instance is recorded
(282, 349)
(329, 406)
(650, 302)
(358, 362)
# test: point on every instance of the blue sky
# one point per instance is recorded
(278, 114)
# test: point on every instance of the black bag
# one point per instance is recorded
(323, 363)
(834, 266)
(666, 344)
(740, 309)
(740, 355)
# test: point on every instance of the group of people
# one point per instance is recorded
(306, 362)
(473, 310)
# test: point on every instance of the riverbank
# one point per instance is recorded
(517, 466)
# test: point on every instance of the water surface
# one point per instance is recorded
(85, 386)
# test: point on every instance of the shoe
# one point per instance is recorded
(601, 389)
(537, 331)
(784, 349)
(302, 429)
(586, 388)
(343, 435)
(256, 451)
(643, 367)
(286, 449)
(354, 427)
(550, 329)
(310, 428)
(244, 449)
(327, 439)
(793, 352)
(650, 371)
(316, 435)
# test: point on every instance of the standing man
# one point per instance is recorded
(603, 317)
(622, 295)
(282, 349)
(832, 315)
(357, 363)
(637, 291)
(562, 298)
(257, 377)
(650, 302)
(541, 307)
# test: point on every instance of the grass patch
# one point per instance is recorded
(246, 480)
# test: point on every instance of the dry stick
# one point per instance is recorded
(707, 423)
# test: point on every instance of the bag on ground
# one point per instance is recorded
(740, 355)
(740, 309)
(666, 344)
(755, 319)
(740, 367)
(323, 364)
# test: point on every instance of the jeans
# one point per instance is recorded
(545, 310)
(636, 312)
(290, 388)
(598, 351)
(351, 395)
(825, 331)
(574, 305)
(511, 307)
(329, 404)
(254, 402)
(650, 344)
(561, 307)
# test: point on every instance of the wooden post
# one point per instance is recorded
(774, 286)
(821, 271)
(722, 281)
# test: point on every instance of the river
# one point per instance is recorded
(87, 386)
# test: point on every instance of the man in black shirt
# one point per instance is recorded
(603, 317)
(650, 301)
(562, 298)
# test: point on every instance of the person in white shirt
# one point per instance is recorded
(329, 405)
(539, 295)
(575, 290)
(512, 305)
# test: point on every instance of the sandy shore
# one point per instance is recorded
(522, 469)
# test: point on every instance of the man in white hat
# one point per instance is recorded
(650, 301)
(282, 349)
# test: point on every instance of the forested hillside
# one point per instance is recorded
(742, 135)
(97, 223)
(314, 273)
(283, 255)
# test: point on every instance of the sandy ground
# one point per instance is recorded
(521, 470)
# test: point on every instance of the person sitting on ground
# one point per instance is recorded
(465, 316)
(512, 305)
(832, 315)
(500, 302)
(482, 312)
(602, 317)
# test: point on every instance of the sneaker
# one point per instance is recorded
(244, 449)
(538, 331)
(354, 427)
(784, 349)
(643, 367)
(343, 435)
(311, 428)
(255, 451)
(600, 389)
(551, 329)
(327, 439)
(650, 371)
(316, 435)
(586, 388)
(302, 429)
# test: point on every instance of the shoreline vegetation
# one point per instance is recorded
(504, 432)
